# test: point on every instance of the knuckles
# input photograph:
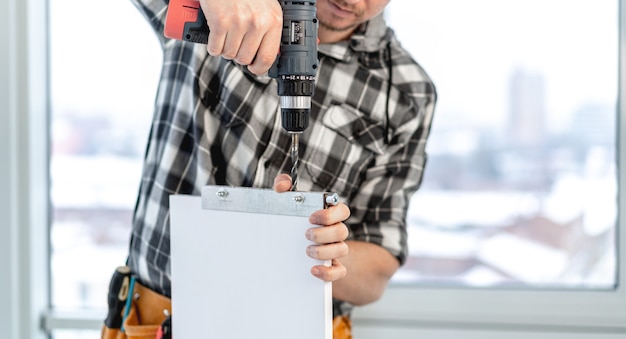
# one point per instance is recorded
(328, 234)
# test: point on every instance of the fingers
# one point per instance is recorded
(217, 37)
(327, 251)
(233, 41)
(246, 31)
(330, 215)
(330, 245)
(247, 49)
(328, 234)
(282, 183)
(335, 272)
(267, 53)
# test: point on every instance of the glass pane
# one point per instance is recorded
(104, 72)
(520, 185)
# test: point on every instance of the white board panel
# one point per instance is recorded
(244, 275)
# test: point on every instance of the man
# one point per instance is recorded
(216, 123)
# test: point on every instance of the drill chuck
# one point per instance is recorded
(296, 66)
(295, 120)
(295, 101)
(295, 113)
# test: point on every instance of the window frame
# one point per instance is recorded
(583, 311)
(25, 208)
(24, 203)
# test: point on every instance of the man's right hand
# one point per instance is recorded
(246, 31)
(329, 239)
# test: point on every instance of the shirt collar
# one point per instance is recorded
(371, 36)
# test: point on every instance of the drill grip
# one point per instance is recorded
(298, 47)
(185, 21)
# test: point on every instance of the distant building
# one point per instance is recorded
(527, 112)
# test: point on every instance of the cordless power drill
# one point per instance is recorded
(295, 66)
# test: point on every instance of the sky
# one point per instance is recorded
(107, 62)
(470, 48)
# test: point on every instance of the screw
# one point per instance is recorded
(222, 193)
(332, 199)
(299, 198)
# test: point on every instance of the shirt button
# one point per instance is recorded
(266, 164)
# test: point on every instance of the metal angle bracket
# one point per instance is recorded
(265, 201)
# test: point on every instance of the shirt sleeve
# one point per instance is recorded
(154, 11)
(379, 208)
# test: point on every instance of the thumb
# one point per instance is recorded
(282, 183)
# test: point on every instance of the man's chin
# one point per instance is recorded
(336, 28)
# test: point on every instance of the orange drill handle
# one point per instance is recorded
(185, 21)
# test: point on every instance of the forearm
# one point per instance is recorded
(369, 268)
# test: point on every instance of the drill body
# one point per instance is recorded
(295, 66)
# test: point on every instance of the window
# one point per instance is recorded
(520, 187)
(103, 82)
(516, 224)
(418, 298)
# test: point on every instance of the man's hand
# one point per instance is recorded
(329, 240)
(246, 31)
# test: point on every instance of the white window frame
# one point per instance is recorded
(24, 202)
(552, 310)
(24, 223)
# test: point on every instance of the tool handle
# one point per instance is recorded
(118, 292)
(295, 67)
(185, 21)
(298, 49)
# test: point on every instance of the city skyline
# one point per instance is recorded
(472, 50)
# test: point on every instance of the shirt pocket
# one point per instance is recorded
(340, 149)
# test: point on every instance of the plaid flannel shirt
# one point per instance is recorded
(215, 123)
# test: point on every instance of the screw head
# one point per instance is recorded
(332, 199)
(222, 193)
(299, 198)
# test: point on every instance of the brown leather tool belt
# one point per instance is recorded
(149, 310)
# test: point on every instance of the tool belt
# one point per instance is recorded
(149, 317)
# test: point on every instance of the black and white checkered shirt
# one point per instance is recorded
(215, 123)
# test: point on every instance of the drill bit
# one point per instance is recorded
(294, 161)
